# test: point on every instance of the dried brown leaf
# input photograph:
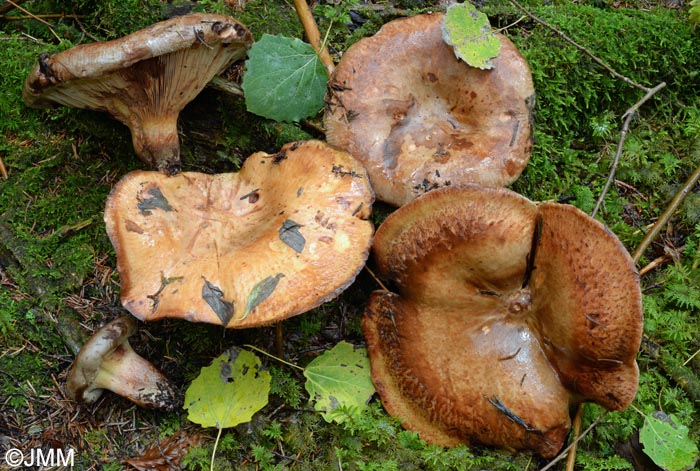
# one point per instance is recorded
(166, 454)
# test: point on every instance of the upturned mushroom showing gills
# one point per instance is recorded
(286, 233)
(418, 118)
(107, 361)
(506, 315)
(144, 79)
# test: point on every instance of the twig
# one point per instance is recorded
(581, 48)
(376, 278)
(311, 29)
(32, 15)
(655, 263)
(565, 451)
(223, 85)
(3, 170)
(28, 17)
(571, 458)
(629, 114)
(666, 216)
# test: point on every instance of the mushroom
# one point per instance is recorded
(144, 79)
(286, 233)
(506, 315)
(107, 361)
(418, 118)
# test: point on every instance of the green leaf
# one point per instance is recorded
(667, 443)
(284, 79)
(229, 391)
(339, 377)
(261, 292)
(468, 31)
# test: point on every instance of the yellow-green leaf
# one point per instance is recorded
(340, 377)
(229, 391)
(667, 443)
(468, 31)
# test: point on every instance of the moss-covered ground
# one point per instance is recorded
(58, 279)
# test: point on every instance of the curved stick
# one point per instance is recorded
(312, 34)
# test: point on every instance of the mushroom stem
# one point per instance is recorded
(156, 141)
(129, 375)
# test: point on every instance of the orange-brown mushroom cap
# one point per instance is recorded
(507, 313)
(144, 79)
(284, 234)
(418, 118)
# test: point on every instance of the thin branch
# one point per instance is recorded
(666, 216)
(311, 29)
(581, 48)
(34, 17)
(223, 85)
(29, 13)
(657, 262)
(629, 114)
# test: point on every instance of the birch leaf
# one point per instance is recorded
(229, 391)
(339, 377)
(667, 443)
(468, 31)
(284, 79)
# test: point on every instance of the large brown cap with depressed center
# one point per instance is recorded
(144, 79)
(285, 234)
(506, 314)
(418, 118)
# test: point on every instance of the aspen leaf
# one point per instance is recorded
(229, 391)
(667, 443)
(284, 79)
(339, 377)
(468, 31)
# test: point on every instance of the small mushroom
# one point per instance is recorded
(286, 233)
(506, 315)
(418, 118)
(107, 361)
(144, 79)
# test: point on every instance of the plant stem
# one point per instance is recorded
(213, 452)
(272, 356)
(311, 29)
(571, 458)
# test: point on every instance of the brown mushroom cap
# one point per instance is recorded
(482, 346)
(144, 79)
(107, 361)
(285, 234)
(418, 118)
